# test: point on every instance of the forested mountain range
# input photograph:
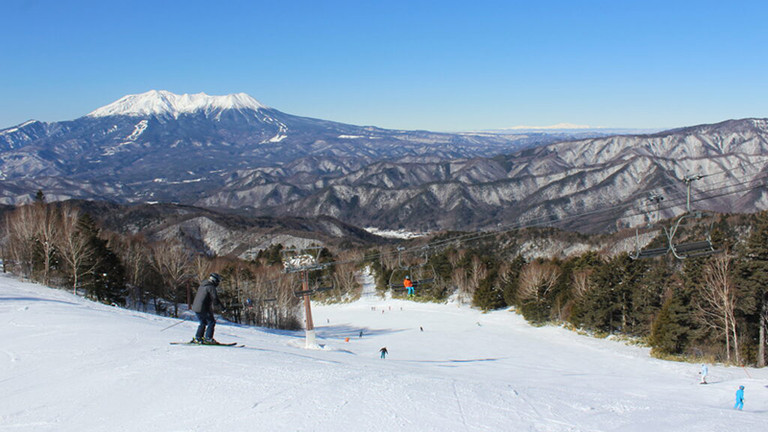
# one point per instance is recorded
(232, 152)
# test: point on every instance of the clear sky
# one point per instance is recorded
(437, 65)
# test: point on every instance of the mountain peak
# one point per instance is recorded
(162, 102)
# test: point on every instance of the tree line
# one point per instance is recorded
(712, 308)
(58, 245)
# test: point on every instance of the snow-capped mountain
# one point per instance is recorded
(158, 146)
(165, 103)
(234, 152)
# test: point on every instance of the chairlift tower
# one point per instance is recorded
(688, 180)
(303, 261)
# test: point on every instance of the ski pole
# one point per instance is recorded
(173, 325)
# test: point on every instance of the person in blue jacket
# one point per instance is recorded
(739, 398)
(703, 373)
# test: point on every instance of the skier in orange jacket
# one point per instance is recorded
(408, 285)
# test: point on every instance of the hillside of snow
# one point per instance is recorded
(68, 364)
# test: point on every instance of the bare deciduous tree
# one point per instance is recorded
(459, 281)
(582, 282)
(20, 226)
(74, 247)
(173, 264)
(47, 221)
(133, 252)
(717, 305)
(455, 256)
(536, 279)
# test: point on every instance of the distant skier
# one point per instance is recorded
(205, 299)
(384, 352)
(408, 284)
(703, 373)
(361, 333)
(739, 398)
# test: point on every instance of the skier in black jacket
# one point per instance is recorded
(205, 299)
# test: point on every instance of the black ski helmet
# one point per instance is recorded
(215, 278)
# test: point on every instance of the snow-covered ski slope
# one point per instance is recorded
(67, 364)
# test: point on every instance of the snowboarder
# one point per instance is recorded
(384, 352)
(205, 299)
(703, 373)
(408, 284)
(739, 398)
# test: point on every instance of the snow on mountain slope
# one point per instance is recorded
(165, 103)
(67, 364)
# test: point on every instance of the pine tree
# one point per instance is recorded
(671, 331)
(509, 279)
(752, 276)
(105, 279)
(607, 306)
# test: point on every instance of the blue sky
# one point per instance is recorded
(436, 65)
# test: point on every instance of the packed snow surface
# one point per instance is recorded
(161, 102)
(68, 364)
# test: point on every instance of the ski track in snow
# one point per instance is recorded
(67, 364)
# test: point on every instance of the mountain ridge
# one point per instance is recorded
(271, 163)
(162, 103)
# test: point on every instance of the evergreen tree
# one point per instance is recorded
(648, 295)
(489, 294)
(273, 255)
(752, 277)
(510, 279)
(105, 279)
(671, 331)
(607, 307)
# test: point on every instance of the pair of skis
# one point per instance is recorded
(231, 345)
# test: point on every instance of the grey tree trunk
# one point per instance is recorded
(763, 323)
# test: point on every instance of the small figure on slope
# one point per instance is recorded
(384, 352)
(739, 398)
(408, 284)
(205, 299)
(703, 373)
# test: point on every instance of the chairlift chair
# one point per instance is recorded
(697, 248)
(420, 274)
(318, 284)
(640, 253)
(398, 275)
(269, 294)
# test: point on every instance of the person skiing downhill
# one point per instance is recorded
(739, 398)
(408, 284)
(703, 373)
(205, 299)
(383, 352)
